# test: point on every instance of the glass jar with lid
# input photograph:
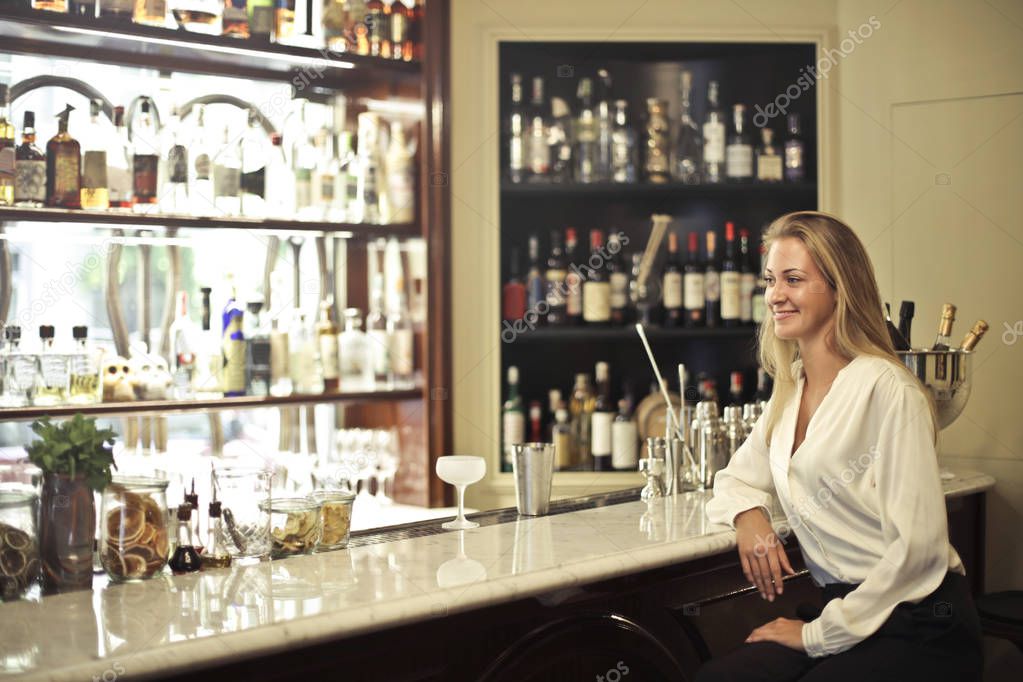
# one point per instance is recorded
(19, 545)
(294, 526)
(134, 542)
(335, 518)
(244, 495)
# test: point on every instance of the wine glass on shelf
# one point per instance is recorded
(460, 471)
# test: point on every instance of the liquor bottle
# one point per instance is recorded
(7, 151)
(554, 282)
(597, 288)
(712, 283)
(53, 372)
(304, 363)
(259, 359)
(573, 281)
(906, 311)
(280, 373)
(375, 25)
(232, 320)
(948, 316)
(538, 151)
(401, 184)
(209, 361)
(280, 182)
(587, 151)
(560, 142)
(713, 138)
(29, 167)
(200, 170)
(173, 188)
(151, 12)
(119, 10)
(63, 166)
(686, 161)
(376, 333)
(344, 180)
(581, 408)
(254, 160)
(95, 183)
(739, 152)
(402, 33)
(326, 335)
(324, 175)
(624, 439)
(730, 281)
(183, 336)
(564, 440)
(619, 281)
(763, 393)
(192, 500)
(657, 142)
(513, 419)
(795, 169)
(418, 28)
(735, 388)
(235, 19)
(186, 557)
(51, 5)
(402, 339)
(215, 554)
(553, 402)
(367, 193)
(694, 285)
(974, 336)
(198, 16)
(602, 420)
(535, 422)
(623, 145)
(769, 160)
(261, 20)
(83, 8)
(672, 285)
(145, 161)
(352, 345)
(534, 276)
(119, 164)
(758, 304)
(284, 29)
(516, 132)
(358, 31)
(898, 340)
(20, 370)
(84, 385)
(227, 177)
(603, 168)
(747, 281)
(513, 293)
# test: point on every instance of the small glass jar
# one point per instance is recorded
(294, 526)
(134, 543)
(19, 544)
(335, 518)
(244, 495)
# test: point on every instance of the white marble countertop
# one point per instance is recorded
(147, 628)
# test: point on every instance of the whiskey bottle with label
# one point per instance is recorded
(29, 167)
(145, 161)
(739, 152)
(63, 166)
(769, 160)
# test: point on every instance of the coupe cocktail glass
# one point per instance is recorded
(460, 471)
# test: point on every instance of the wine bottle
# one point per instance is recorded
(671, 284)
(535, 422)
(597, 288)
(554, 282)
(534, 277)
(513, 419)
(693, 284)
(601, 420)
(619, 279)
(730, 281)
(513, 293)
(898, 340)
(906, 310)
(624, 439)
(948, 316)
(975, 334)
(573, 282)
(712, 283)
(747, 280)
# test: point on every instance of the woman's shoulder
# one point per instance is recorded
(883, 376)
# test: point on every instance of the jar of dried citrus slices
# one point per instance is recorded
(133, 528)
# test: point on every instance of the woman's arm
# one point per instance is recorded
(746, 482)
(913, 522)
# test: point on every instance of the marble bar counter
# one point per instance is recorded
(431, 594)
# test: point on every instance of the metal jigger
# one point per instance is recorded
(948, 376)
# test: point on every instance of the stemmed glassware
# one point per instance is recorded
(461, 471)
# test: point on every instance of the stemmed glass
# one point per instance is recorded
(387, 464)
(460, 471)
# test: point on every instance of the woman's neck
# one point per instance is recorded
(821, 362)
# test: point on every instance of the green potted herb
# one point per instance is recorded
(76, 458)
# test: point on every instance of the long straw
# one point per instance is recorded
(660, 381)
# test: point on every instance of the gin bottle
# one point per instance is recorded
(19, 371)
(84, 369)
(53, 371)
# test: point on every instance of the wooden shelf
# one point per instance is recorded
(616, 191)
(613, 334)
(28, 31)
(241, 402)
(58, 215)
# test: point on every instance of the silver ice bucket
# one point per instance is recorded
(947, 374)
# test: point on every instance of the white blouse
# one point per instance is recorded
(862, 494)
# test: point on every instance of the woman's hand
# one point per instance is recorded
(784, 631)
(761, 552)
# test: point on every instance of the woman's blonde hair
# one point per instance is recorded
(859, 327)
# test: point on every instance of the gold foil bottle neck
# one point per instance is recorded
(974, 335)
(948, 316)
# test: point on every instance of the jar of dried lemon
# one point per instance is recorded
(335, 518)
(133, 528)
(19, 545)
(294, 526)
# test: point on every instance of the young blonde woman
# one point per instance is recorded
(847, 446)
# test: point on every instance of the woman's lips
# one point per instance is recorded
(784, 314)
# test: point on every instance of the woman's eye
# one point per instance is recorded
(793, 280)
(769, 281)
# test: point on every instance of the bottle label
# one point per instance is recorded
(555, 280)
(401, 352)
(600, 438)
(234, 366)
(539, 153)
(226, 181)
(713, 142)
(66, 178)
(712, 286)
(94, 170)
(747, 284)
(144, 169)
(253, 182)
(673, 290)
(30, 181)
(694, 291)
(624, 445)
(619, 290)
(262, 20)
(177, 164)
(514, 423)
(769, 168)
(597, 301)
(328, 356)
(729, 295)
(120, 184)
(402, 196)
(574, 297)
(203, 167)
(739, 163)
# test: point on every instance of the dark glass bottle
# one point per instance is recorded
(693, 284)
(534, 277)
(619, 277)
(712, 283)
(795, 166)
(573, 282)
(554, 278)
(513, 293)
(906, 311)
(730, 281)
(29, 167)
(898, 340)
(597, 287)
(145, 158)
(63, 166)
(747, 280)
(516, 132)
(186, 558)
(672, 284)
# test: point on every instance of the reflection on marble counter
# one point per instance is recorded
(213, 617)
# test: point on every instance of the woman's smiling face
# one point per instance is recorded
(799, 298)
